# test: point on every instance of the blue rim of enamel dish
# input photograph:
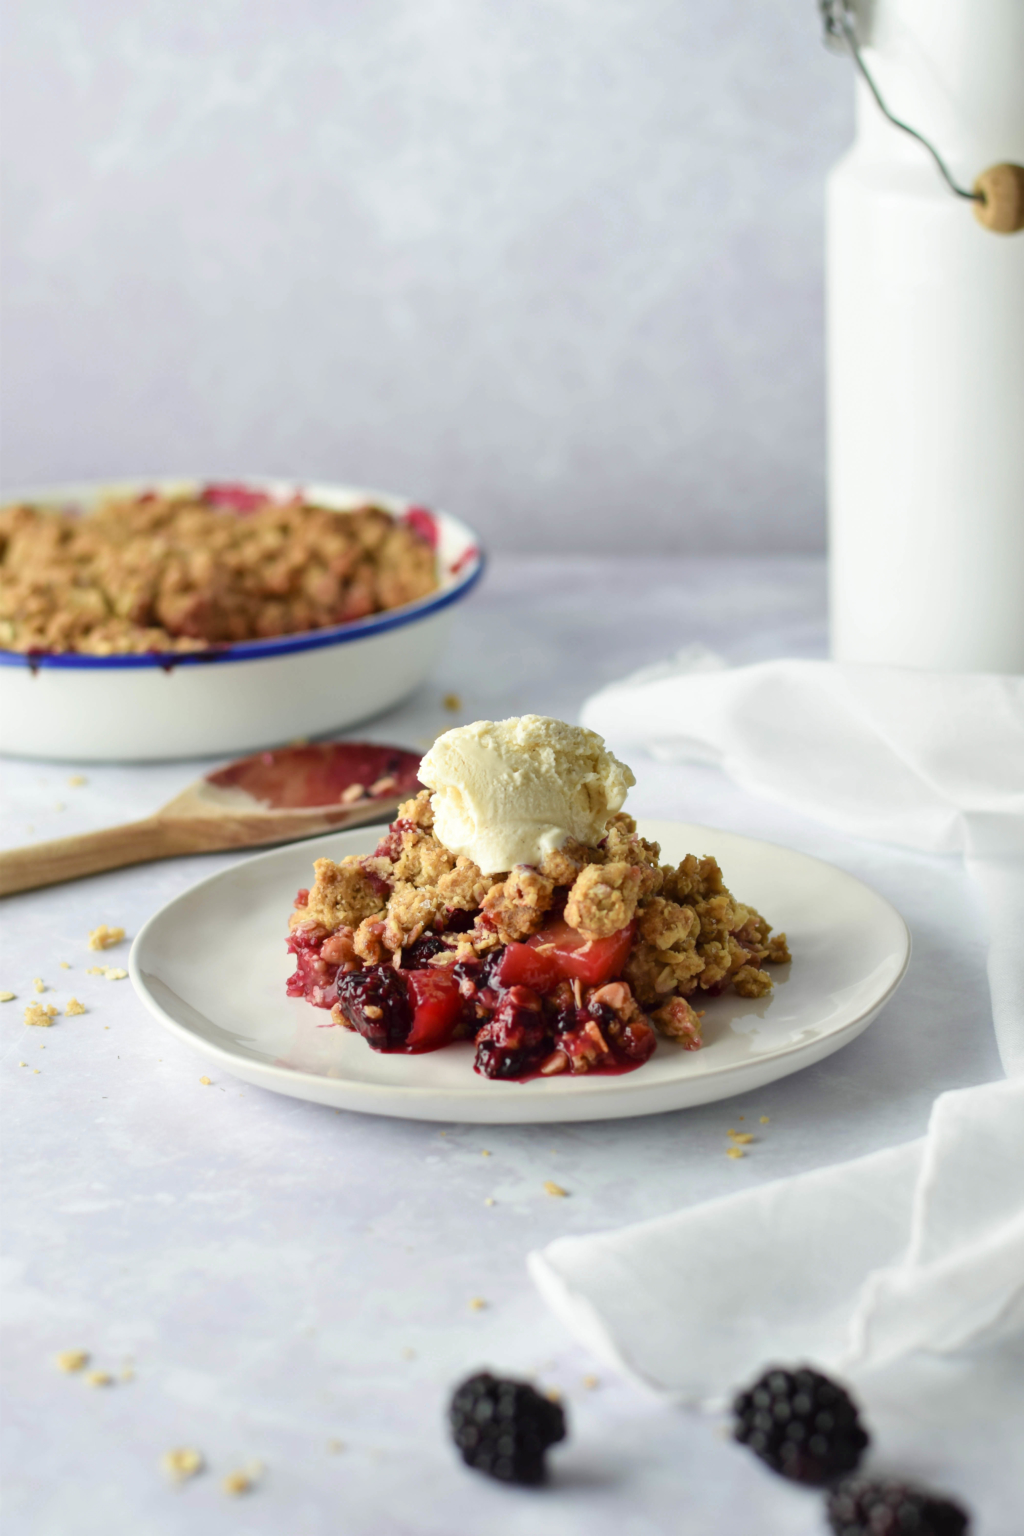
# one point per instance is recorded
(262, 650)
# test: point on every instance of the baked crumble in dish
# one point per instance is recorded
(575, 963)
(195, 569)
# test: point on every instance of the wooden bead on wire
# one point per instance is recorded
(1001, 189)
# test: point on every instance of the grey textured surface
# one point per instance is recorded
(554, 265)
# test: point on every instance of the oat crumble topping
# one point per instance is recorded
(183, 571)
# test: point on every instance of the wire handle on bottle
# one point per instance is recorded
(997, 194)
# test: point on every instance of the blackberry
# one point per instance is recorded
(415, 957)
(503, 1428)
(514, 1041)
(803, 1425)
(862, 1508)
(376, 1003)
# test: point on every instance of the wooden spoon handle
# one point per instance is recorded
(68, 858)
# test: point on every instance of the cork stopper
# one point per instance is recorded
(1002, 187)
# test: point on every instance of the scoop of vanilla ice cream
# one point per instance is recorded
(507, 792)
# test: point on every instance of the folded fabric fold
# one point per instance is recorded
(915, 1247)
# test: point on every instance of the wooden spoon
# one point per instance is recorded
(273, 797)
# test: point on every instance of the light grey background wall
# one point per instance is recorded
(553, 264)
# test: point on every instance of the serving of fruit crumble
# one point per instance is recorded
(188, 570)
(573, 960)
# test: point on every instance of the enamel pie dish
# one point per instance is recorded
(231, 699)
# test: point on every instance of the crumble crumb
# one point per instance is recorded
(740, 1138)
(335, 1446)
(105, 937)
(551, 1188)
(59, 806)
(100, 1379)
(735, 1152)
(7, 997)
(206, 1082)
(552, 1394)
(181, 1463)
(765, 1120)
(127, 1373)
(490, 1200)
(64, 965)
(484, 1152)
(237, 1483)
(36, 1014)
(453, 702)
(477, 1304)
(111, 972)
(73, 1359)
(77, 780)
(39, 985)
(22, 1063)
(408, 1354)
(73, 1007)
(590, 1382)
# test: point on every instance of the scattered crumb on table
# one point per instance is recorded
(42, 1017)
(735, 1152)
(100, 1379)
(237, 1483)
(453, 702)
(477, 1304)
(182, 1462)
(335, 1446)
(39, 985)
(77, 780)
(590, 1382)
(7, 997)
(73, 1359)
(551, 1188)
(73, 1007)
(104, 937)
(206, 1082)
(765, 1120)
(490, 1200)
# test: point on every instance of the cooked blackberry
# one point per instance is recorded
(376, 1003)
(415, 957)
(801, 1424)
(503, 1428)
(862, 1508)
(516, 1039)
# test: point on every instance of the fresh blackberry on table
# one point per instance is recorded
(863, 1508)
(503, 1428)
(803, 1425)
(376, 1003)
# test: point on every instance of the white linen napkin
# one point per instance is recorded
(919, 1247)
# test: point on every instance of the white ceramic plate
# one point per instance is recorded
(211, 966)
(235, 698)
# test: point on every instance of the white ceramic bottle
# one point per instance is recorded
(925, 319)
